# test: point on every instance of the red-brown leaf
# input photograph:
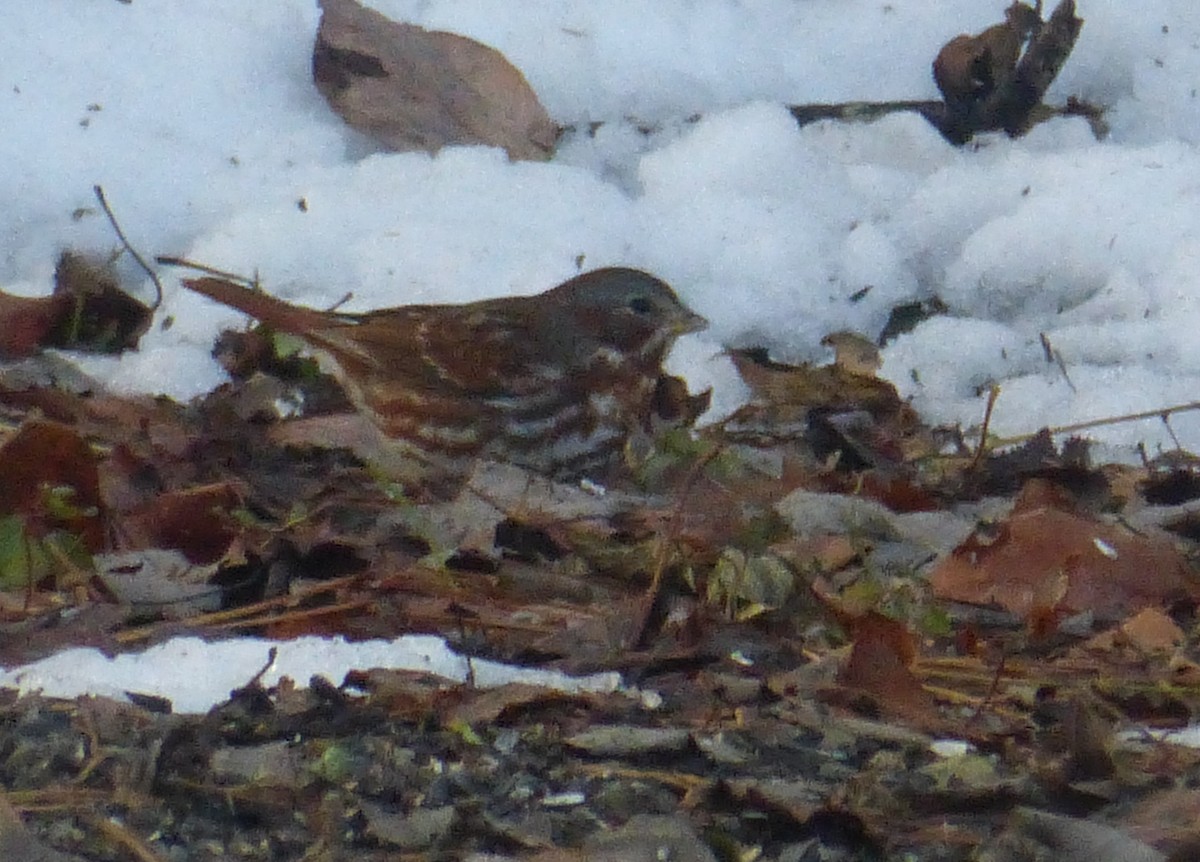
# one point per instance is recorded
(1044, 560)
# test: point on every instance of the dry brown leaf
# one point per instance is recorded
(1147, 632)
(48, 476)
(486, 707)
(1042, 552)
(404, 694)
(823, 553)
(416, 89)
(25, 322)
(989, 83)
(841, 409)
(99, 316)
(796, 389)
(970, 68)
(854, 353)
(87, 311)
(880, 664)
(195, 521)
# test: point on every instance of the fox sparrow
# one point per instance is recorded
(556, 382)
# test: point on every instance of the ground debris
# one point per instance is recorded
(837, 638)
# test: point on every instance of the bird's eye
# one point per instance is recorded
(640, 305)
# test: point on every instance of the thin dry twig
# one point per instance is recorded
(123, 838)
(982, 449)
(167, 260)
(1161, 413)
(650, 599)
(141, 261)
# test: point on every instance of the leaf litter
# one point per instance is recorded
(806, 642)
(853, 636)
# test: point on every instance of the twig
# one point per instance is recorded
(662, 553)
(1166, 421)
(987, 89)
(141, 261)
(981, 450)
(272, 655)
(167, 260)
(1055, 357)
(865, 112)
(1039, 66)
(123, 838)
(346, 297)
(993, 689)
(1161, 413)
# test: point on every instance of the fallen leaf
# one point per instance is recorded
(87, 311)
(26, 321)
(880, 665)
(1043, 558)
(416, 89)
(842, 411)
(48, 477)
(796, 389)
(195, 521)
(98, 316)
(825, 552)
(501, 704)
(854, 353)
(1148, 631)
(968, 69)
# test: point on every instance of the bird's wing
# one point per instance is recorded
(492, 349)
(486, 349)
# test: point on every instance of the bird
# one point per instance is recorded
(557, 383)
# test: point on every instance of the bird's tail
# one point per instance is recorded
(263, 307)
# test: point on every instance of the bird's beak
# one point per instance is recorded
(689, 321)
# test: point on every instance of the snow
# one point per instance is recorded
(201, 123)
(195, 674)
